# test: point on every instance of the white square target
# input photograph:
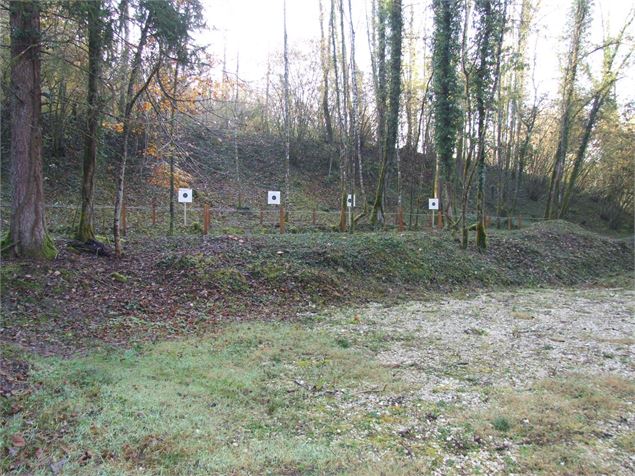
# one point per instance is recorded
(350, 201)
(185, 195)
(433, 204)
(273, 197)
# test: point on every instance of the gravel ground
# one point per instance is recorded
(459, 351)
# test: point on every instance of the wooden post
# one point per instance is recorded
(314, 218)
(440, 219)
(123, 219)
(205, 219)
(154, 212)
(262, 215)
(282, 220)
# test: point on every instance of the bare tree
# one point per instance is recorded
(287, 202)
(580, 20)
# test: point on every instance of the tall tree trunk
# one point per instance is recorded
(381, 103)
(324, 60)
(341, 111)
(392, 120)
(287, 125)
(27, 232)
(493, 16)
(172, 149)
(447, 15)
(131, 98)
(579, 157)
(349, 184)
(236, 160)
(580, 14)
(266, 111)
(86, 230)
(467, 149)
(355, 116)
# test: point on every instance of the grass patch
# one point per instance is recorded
(556, 421)
(252, 398)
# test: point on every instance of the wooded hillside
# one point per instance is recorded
(133, 107)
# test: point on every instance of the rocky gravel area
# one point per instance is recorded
(509, 338)
(457, 353)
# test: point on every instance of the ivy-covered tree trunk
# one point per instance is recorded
(86, 230)
(392, 119)
(27, 233)
(447, 17)
(381, 95)
(490, 30)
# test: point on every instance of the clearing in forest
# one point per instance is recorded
(523, 381)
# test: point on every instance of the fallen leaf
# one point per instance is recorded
(18, 440)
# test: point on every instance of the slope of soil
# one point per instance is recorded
(169, 287)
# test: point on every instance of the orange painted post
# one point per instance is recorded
(281, 220)
(123, 219)
(401, 223)
(440, 219)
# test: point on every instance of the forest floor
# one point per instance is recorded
(523, 381)
(323, 353)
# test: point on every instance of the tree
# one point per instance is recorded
(94, 13)
(603, 88)
(392, 119)
(287, 174)
(27, 233)
(355, 116)
(168, 29)
(490, 29)
(131, 98)
(579, 27)
(325, 63)
(447, 15)
(341, 120)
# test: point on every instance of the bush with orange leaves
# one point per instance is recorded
(161, 176)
